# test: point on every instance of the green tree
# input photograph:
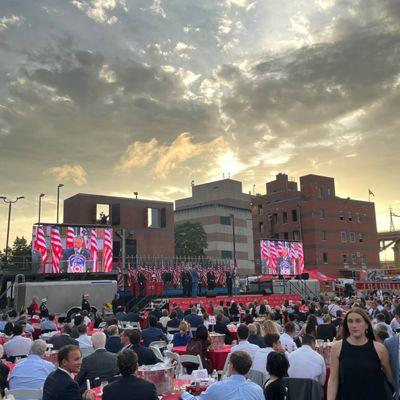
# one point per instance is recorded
(20, 251)
(190, 240)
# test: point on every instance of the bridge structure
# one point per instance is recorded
(391, 238)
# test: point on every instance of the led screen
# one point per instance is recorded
(282, 257)
(60, 249)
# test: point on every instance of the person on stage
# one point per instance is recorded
(210, 279)
(77, 258)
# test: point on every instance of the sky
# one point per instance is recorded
(116, 96)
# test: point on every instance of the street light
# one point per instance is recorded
(9, 202)
(234, 239)
(58, 199)
(40, 205)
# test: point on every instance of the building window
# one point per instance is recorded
(294, 215)
(344, 258)
(163, 218)
(352, 237)
(261, 227)
(323, 235)
(343, 237)
(284, 217)
(115, 214)
(322, 213)
(361, 237)
(225, 220)
(153, 218)
(325, 258)
(341, 215)
(275, 219)
(350, 216)
(353, 259)
(358, 218)
(319, 192)
(260, 209)
(286, 235)
(363, 260)
(296, 235)
(226, 254)
(328, 192)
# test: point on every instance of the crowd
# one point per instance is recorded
(269, 346)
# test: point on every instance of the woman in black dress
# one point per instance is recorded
(277, 367)
(358, 363)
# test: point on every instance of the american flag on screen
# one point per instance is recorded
(280, 249)
(300, 256)
(40, 245)
(56, 248)
(70, 237)
(107, 251)
(265, 253)
(93, 249)
(274, 257)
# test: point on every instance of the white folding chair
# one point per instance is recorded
(171, 330)
(225, 370)
(173, 356)
(191, 359)
(157, 352)
(20, 394)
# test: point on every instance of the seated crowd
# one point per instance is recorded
(268, 346)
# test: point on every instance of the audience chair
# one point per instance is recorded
(22, 394)
(303, 389)
(188, 358)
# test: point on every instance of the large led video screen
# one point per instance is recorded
(281, 257)
(58, 249)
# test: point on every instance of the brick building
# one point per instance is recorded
(338, 234)
(148, 224)
(216, 205)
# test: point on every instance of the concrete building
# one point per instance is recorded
(149, 224)
(213, 204)
(338, 234)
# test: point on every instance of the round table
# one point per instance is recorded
(217, 357)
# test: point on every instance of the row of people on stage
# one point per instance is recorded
(190, 279)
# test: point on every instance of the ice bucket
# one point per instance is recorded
(217, 340)
(163, 378)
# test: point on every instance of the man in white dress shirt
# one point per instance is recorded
(305, 362)
(287, 337)
(18, 345)
(272, 343)
(244, 345)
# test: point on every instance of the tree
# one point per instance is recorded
(190, 240)
(20, 251)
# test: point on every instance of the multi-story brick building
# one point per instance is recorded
(148, 224)
(338, 234)
(217, 205)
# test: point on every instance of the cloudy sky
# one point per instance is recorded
(116, 96)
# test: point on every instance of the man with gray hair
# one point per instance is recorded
(31, 372)
(100, 364)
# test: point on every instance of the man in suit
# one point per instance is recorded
(101, 363)
(128, 386)
(60, 384)
(152, 334)
(133, 316)
(195, 281)
(77, 258)
(63, 339)
(145, 355)
(221, 327)
(254, 338)
(392, 345)
(193, 319)
(113, 343)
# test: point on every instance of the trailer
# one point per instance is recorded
(64, 297)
